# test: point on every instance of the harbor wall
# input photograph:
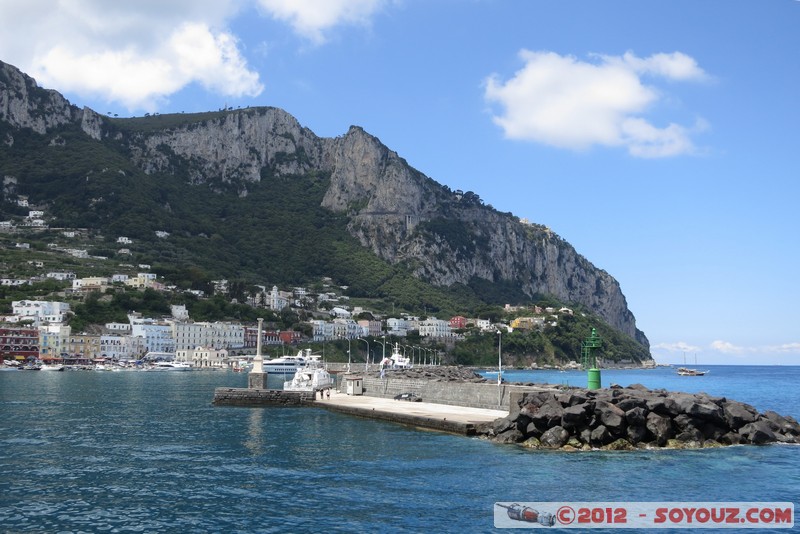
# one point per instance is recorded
(474, 395)
(260, 397)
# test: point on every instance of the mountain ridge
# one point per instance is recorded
(405, 218)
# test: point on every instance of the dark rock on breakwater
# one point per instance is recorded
(636, 417)
(443, 373)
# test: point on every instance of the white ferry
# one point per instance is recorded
(287, 364)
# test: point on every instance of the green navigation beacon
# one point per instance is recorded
(588, 348)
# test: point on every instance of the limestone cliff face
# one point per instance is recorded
(23, 104)
(449, 237)
(443, 236)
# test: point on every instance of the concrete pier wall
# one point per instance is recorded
(260, 397)
(474, 395)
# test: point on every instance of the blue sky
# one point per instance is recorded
(659, 138)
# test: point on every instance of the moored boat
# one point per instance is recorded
(287, 364)
(683, 371)
(312, 377)
(399, 360)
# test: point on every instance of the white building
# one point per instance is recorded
(203, 358)
(277, 300)
(433, 327)
(61, 276)
(211, 335)
(397, 327)
(91, 283)
(121, 347)
(157, 336)
(42, 311)
(179, 312)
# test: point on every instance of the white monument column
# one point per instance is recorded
(258, 360)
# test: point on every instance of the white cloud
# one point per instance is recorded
(311, 18)
(679, 346)
(729, 348)
(567, 103)
(136, 54)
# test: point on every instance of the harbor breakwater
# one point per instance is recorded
(620, 418)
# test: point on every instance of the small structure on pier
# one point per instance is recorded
(257, 379)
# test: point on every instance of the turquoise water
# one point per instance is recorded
(146, 452)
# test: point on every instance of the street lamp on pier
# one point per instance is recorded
(366, 359)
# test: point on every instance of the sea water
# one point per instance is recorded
(147, 452)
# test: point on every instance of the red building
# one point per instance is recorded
(19, 343)
(458, 322)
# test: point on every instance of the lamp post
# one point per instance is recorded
(348, 354)
(499, 367)
(366, 359)
(499, 356)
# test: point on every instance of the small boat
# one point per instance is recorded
(240, 366)
(53, 367)
(399, 361)
(313, 377)
(683, 371)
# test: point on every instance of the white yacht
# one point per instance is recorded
(171, 366)
(312, 377)
(399, 361)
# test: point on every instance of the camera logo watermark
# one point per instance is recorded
(583, 515)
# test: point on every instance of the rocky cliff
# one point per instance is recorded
(443, 236)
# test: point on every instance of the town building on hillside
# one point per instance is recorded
(203, 357)
(278, 300)
(142, 281)
(53, 341)
(458, 322)
(40, 311)
(85, 346)
(436, 328)
(370, 327)
(120, 347)
(397, 327)
(179, 312)
(19, 343)
(157, 335)
(527, 323)
(61, 276)
(213, 335)
(91, 283)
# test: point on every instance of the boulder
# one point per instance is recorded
(610, 416)
(636, 433)
(619, 445)
(660, 427)
(549, 412)
(509, 436)
(636, 416)
(630, 403)
(555, 438)
(758, 433)
(784, 425)
(575, 416)
(663, 405)
(600, 436)
(738, 414)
